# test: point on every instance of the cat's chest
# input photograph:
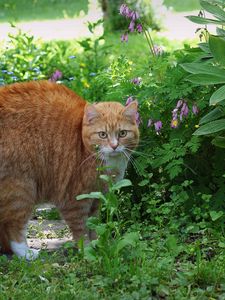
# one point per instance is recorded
(116, 165)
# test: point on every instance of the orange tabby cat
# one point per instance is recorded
(48, 142)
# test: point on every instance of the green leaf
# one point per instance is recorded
(92, 195)
(218, 96)
(200, 20)
(90, 254)
(219, 141)
(213, 9)
(130, 238)
(200, 68)
(204, 47)
(205, 79)
(215, 114)
(211, 127)
(215, 215)
(143, 182)
(122, 183)
(220, 31)
(217, 47)
(105, 177)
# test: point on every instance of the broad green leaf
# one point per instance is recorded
(105, 177)
(215, 114)
(90, 254)
(130, 238)
(122, 183)
(200, 68)
(217, 47)
(220, 31)
(218, 96)
(211, 127)
(206, 79)
(215, 215)
(213, 9)
(200, 20)
(219, 141)
(204, 47)
(93, 195)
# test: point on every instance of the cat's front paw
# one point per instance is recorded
(31, 254)
(23, 251)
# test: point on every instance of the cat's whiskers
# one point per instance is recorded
(137, 152)
(87, 159)
(132, 161)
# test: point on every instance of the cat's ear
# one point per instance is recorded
(90, 112)
(130, 110)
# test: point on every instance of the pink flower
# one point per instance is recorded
(139, 28)
(56, 76)
(158, 126)
(124, 37)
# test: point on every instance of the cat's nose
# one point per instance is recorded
(114, 145)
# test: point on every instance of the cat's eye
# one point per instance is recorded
(122, 133)
(103, 134)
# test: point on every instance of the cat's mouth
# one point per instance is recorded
(114, 153)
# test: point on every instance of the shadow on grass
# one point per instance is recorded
(23, 10)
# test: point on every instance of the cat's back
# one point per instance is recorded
(38, 97)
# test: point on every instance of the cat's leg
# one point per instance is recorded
(76, 213)
(18, 243)
(16, 204)
(92, 213)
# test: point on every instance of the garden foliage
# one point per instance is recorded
(161, 228)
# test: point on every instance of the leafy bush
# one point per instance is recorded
(210, 70)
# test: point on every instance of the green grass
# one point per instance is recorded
(23, 10)
(186, 5)
(167, 269)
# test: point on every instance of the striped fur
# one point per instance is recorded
(47, 154)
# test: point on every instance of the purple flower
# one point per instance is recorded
(158, 126)
(139, 28)
(56, 76)
(184, 111)
(124, 37)
(195, 109)
(179, 103)
(136, 80)
(131, 26)
(149, 124)
(129, 100)
(174, 123)
(134, 15)
(174, 113)
(125, 11)
(123, 8)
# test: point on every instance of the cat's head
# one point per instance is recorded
(110, 128)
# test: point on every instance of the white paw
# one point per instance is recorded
(23, 251)
(31, 254)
